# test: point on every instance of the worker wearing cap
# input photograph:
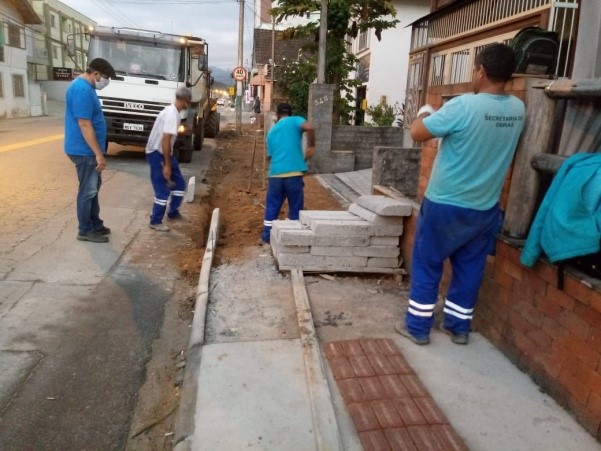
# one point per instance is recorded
(165, 175)
(85, 145)
(287, 166)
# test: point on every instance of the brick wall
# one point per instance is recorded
(362, 140)
(552, 335)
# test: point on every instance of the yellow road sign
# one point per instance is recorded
(232, 90)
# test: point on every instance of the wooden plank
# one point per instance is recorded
(536, 139)
(548, 164)
(586, 90)
(327, 434)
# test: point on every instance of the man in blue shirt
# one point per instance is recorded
(287, 165)
(85, 145)
(460, 213)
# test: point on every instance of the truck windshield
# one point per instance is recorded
(139, 59)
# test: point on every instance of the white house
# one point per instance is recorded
(383, 65)
(19, 97)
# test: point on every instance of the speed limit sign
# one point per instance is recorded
(239, 73)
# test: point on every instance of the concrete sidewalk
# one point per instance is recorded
(250, 369)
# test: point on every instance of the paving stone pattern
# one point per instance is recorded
(358, 240)
(390, 408)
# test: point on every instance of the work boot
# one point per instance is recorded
(160, 227)
(458, 339)
(104, 230)
(177, 216)
(401, 328)
(93, 237)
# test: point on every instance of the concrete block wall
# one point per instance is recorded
(363, 239)
(397, 167)
(362, 140)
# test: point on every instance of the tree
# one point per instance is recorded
(346, 19)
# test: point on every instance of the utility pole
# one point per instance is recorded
(240, 57)
(323, 35)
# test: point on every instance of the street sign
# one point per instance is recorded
(62, 73)
(239, 73)
(232, 91)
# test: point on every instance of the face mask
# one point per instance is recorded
(103, 83)
(183, 114)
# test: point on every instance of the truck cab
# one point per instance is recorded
(150, 67)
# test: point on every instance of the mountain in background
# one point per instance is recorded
(222, 76)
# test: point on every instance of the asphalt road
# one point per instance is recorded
(77, 320)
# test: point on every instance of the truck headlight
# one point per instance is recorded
(181, 129)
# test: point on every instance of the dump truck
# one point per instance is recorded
(150, 67)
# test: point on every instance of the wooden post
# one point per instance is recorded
(537, 138)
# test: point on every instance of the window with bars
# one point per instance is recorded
(438, 70)
(18, 86)
(15, 35)
(461, 69)
(1, 85)
(363, 41)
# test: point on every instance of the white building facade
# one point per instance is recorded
(383, 65)
(20, 96)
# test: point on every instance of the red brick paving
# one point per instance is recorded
(390, 407)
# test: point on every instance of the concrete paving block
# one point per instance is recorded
(377, 251)
(293, 249)
(337, 228)
(385, 206)
(341, 240)
(384, 241)
(375, 218)
(280, 225)
(296, 237)
(386, 230)
(325, 251)
(307, 217)
(347, 262)
(378, 262)
(300, 260)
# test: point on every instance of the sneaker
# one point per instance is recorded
(160, 227)
(93, 237)
(177, 216)
(458, 339)
(401, 328)
(104, 230)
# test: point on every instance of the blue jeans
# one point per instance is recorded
(464, 237)
(162, 190)
(90, 180)
(279, 190)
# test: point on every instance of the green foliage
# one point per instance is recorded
(346, 19)
(294, 80)
(383, 114)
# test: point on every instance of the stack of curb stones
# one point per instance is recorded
(363, 239)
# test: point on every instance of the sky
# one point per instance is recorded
(214, 20)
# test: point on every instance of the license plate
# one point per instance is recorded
(133, 127)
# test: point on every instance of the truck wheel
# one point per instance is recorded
(212, 125)
(199, 135)
(185, 152)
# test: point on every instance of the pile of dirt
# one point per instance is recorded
(242, 209)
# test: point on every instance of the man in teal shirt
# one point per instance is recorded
(460, 212)
(287, 166)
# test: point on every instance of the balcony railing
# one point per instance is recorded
(471, 17)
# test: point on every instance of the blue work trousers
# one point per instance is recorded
(464, 237)
(163, 189)
(279, 190)
(90, 180)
